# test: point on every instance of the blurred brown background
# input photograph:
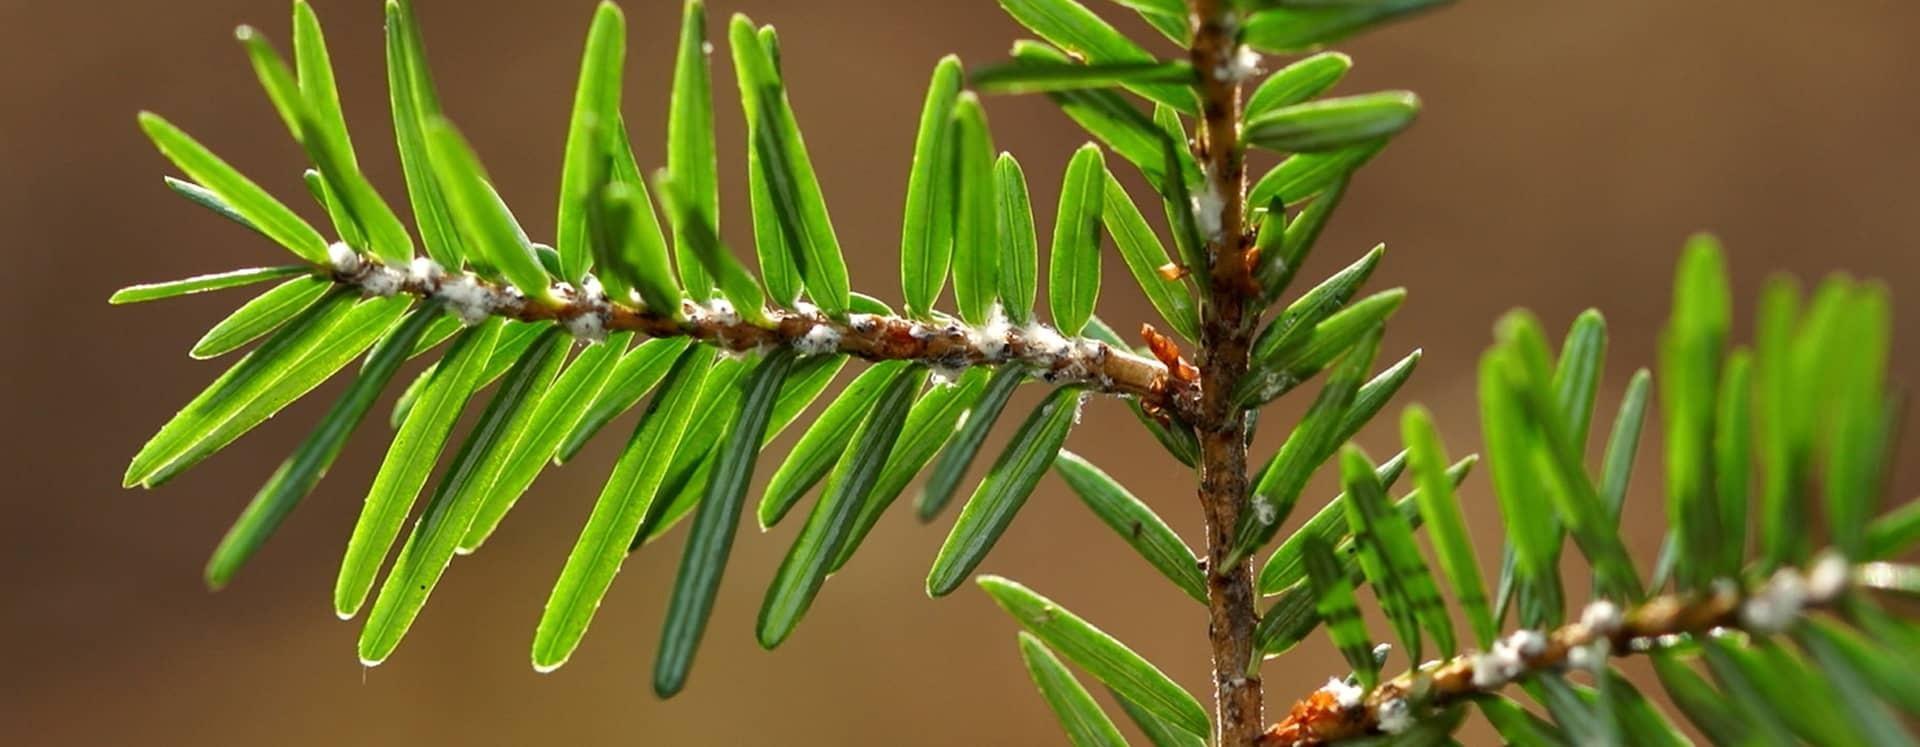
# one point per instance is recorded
(1565, 152)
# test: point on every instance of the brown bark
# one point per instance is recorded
(1225, 338)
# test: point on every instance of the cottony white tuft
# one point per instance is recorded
(1044, 343)
(425, 272)
(1345, 695)
(1263, 510)
(941, 374)
(467, 299)
(1244, 64)
(1602, 617)
(344, 259)
(1773, 608)
(1208, 207)
(589, 326)
(1508, 658)
(381, 282)
(723, 312)
(1395, 716)
(1589, 658)
(592, 292)
(1828, 579)
(820, 340)
(991, 339)
(1529, 643)
(1489, 671)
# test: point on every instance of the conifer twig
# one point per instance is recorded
(1340, 711)
(945, 347)
(1226, 337)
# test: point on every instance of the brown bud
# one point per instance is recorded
(1168, 353)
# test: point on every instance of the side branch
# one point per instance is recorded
(949, 347)
(1339, 711)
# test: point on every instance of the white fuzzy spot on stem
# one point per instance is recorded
(722, 312)
(1208, 209)
(1044, 343)
(1264, 510)
(381, 282)
(820, 340)
(344, 259)
(939, 374)
(1774, 607)
(1602, 617)
(1395, 716)
(467, 299)
(991, 339)
(590, 326)
(425, 272)
(1347, 696)
(1828, 579)
(1244, 64)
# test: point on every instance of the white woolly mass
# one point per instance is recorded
(1080, 406)
(1489, 671)
(991, 339)
(1044, 341)
(468, 300)
(381, 282)
(344, 259)
(425, 272)
(1208, 207)
(509, 300)
(722, 312)
(1395, 716)
(1263, 510)
(1244, 64)
(1508, 658)
(820, 340)
(863, 323)
(1344, 694)
(592, 292)
(1829, 577)
(941, 374)
(1528, 643)
(1083, 359)
(590, 326)
(1589, 658)
(1774, 607)
(1602, 617)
